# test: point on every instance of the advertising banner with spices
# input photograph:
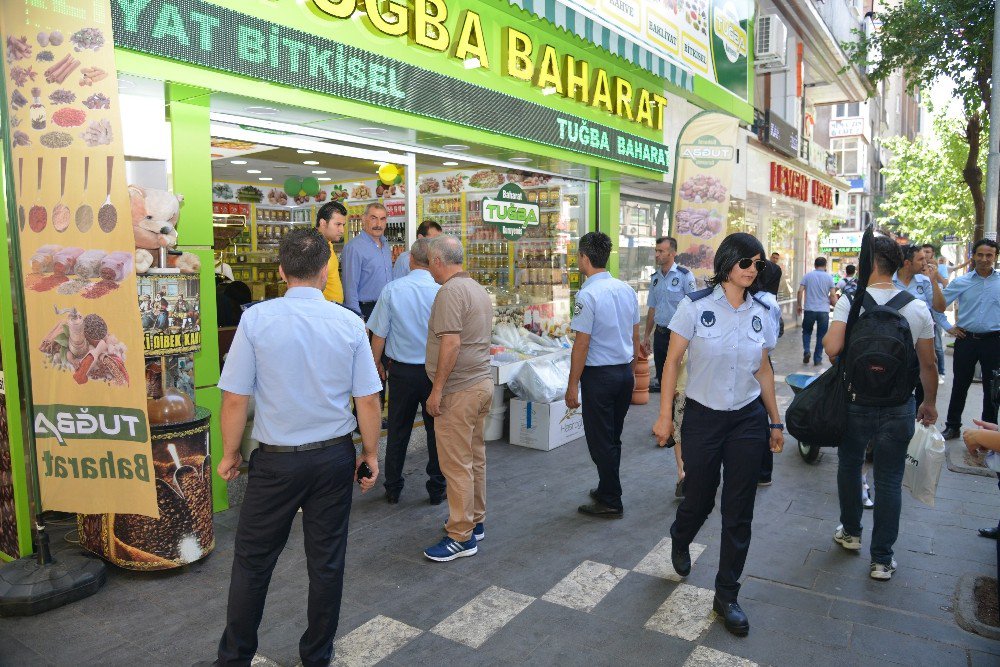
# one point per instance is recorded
(706, 157)
(75, 259)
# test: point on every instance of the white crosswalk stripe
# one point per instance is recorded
(687, 613)
(586, 586)
(482, 616)
(703, 656)
(373, 642)
(657, 562)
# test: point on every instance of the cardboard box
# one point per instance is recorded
(543, 426)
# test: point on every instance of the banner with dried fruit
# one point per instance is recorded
(75, 258)
(703, 178)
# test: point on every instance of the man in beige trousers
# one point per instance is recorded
(458, 364)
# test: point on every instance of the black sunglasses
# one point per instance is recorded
(747, 262)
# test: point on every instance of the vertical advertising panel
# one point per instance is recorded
(706, 158)
(75, 261)
(8, 512)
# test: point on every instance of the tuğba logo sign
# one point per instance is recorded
(510, 212)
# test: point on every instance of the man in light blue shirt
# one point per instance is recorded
(670, 283)
(606, 322)
(367, 262)
(428, 229)
(399, 329)
(302, 358)
(977, 333)
(912, 277)
(815, 296)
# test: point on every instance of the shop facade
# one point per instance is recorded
(228, 108)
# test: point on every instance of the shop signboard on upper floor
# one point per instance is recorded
(796, 185)
(843, 244)
(779, 135)
(847, 127)
(618, 114)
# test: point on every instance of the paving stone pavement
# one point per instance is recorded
(552, 587)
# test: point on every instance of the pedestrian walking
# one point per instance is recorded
(729, 412)
(458, 364)
(912, 277)
(367, 263)
(602, 368)
(977, 333)
(772, 276)
(849, 283)
(302, 359)
(427, 229)
(879, 413)
(399, 331)
(670, 283)
(330, 220)
(815, 296)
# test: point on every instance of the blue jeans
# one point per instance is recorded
(822, 321)
(891, 430)
(939, 348)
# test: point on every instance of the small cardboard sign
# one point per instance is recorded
(510, 212)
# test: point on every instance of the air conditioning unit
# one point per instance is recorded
(770, 41)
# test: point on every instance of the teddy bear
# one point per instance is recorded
(154, 223)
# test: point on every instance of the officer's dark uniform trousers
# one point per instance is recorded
(409, 387)
(606, 393)
(321, 482)
(736, 440)
(661, 343)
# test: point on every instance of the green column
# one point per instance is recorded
(190, 136)
(609, 217)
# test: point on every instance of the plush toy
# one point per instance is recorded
(154, 217)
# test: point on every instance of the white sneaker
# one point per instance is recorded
(849, 542)
(867, 502)
(940, 379)
(882, 572)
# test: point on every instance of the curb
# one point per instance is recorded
(956, 461)
(965, 607)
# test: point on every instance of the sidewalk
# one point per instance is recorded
(552, 587)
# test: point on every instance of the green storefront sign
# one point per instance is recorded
(510, 212)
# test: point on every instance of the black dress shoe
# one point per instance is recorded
(951, 433)
(654, 389)
(991, 533)
(593, 495)
(392, 497)
(437, 500)
(733, 616)
(680, 559)
(601, 510)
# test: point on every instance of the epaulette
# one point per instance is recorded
(766, 307)
(700, 294)
(683, 270)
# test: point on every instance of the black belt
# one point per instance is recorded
(662, 329)
(367, 303)
(980, 336)
(309, 446)
(403, 363)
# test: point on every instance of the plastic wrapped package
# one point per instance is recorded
(521, 340)
(64, 261)
(116, 266)
(43, 259)
(88, 265)
(542, 380)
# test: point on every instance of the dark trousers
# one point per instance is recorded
(733, 440)
(767, 466)
(409, 388)
(822, 321)
(661, 342)
(606, 393)
(968, 351)
(320, 482)
(366, 311)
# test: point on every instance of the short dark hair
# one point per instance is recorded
(850, 270)
(986, 242)
(909, 250)
(929, 245)
(327, 210)
(886, 255)
(819, 263)
(596, 246)
(669, 239)
(775, 252)
(426, 226)
(732, 249)
(303, 253)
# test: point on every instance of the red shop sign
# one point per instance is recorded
(822, 195)
(789, 182)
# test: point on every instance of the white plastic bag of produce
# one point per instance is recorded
(541, 380)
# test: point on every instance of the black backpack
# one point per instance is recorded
(880, 366)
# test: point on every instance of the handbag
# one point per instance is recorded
(924, 460)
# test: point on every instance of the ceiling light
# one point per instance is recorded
(520, 159)
(373, 130)
(303, 152)
(254, 171)
(455, 147)
(265, 178)
(549, 90)
(320, 171)
(324, 179)
(450, 164)
(310, 162)
(262, 111)
(237, 162)
(471, 63)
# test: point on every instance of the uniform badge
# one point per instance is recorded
(920, 289)
(655, 280)
(708, 318)
(756, 323)
(577, 309)
(675, 282)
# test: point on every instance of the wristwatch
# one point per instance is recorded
(780, 427)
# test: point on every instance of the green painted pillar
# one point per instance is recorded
(609, 217)
(190, 144)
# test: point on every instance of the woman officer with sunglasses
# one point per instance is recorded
(731, 414)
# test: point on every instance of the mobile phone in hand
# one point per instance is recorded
(364, 471)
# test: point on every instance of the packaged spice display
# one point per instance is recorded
(43, 259)
(64, 261)
(116, 266)
(88, 265)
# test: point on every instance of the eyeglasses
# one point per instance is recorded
(747, 262)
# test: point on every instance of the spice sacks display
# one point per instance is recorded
(74, 256)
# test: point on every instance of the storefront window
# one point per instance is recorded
(781, 239)
(849, 154)
(642, 222)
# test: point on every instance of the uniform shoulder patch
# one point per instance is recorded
(766, 307)
(577, 309)
(700, 294)
(656, 280)
(683, 270)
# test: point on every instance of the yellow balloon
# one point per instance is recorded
(387, 173)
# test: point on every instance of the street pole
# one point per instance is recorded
(993, 164)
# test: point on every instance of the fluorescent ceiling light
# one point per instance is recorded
(373, 130)
(265, 178)
(310, 162)
(319, 171)
(303, 152)
(520, 159)
(450, 164)
(455, 147)
(237, 162)
(324, 179)
(262, 111)
(254, 171)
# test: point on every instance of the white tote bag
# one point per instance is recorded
(924, 459)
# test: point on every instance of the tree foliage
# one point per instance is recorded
(926, 195)
(930, 39)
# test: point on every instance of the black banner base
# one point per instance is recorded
(28, 588)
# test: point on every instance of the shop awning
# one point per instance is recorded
(569, 19)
